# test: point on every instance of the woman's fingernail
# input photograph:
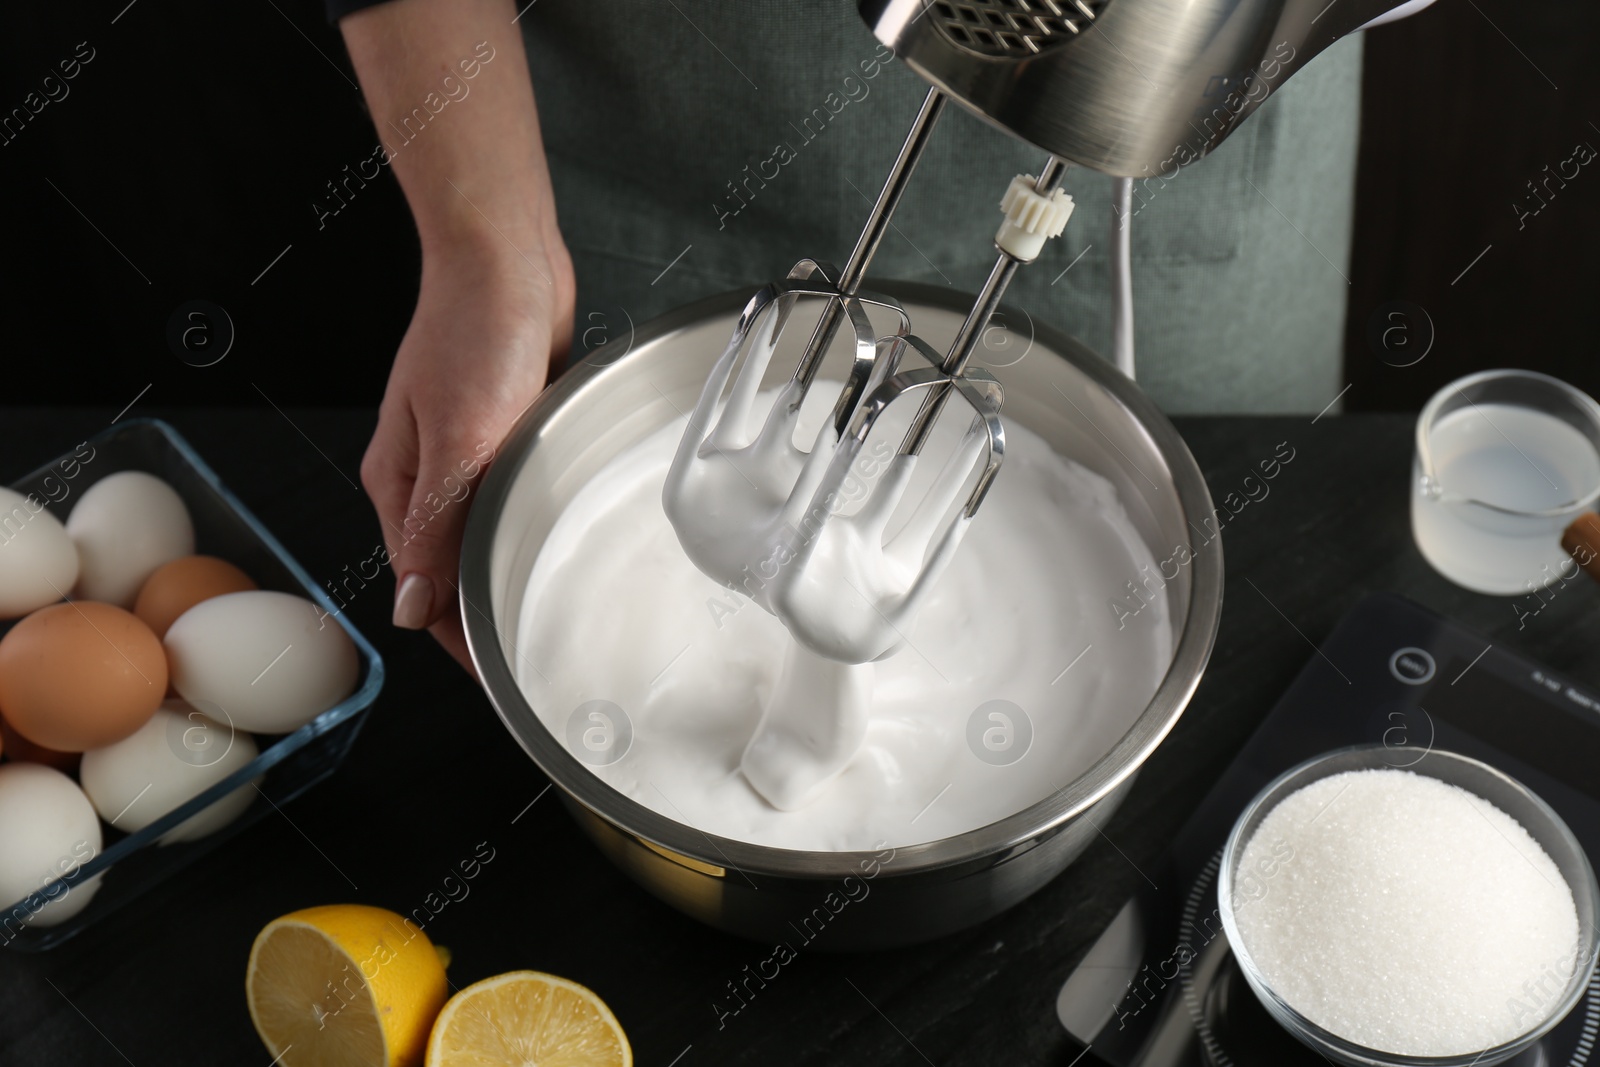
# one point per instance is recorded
(413, 602)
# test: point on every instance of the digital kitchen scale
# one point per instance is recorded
(1391, 673)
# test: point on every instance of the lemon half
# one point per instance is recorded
(344, 985)
(527, 1018)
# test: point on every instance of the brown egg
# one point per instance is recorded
(80, 675)
(176, 587)
(19, 749)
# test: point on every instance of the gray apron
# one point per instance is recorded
(698, 146)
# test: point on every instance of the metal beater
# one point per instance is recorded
(753, 512)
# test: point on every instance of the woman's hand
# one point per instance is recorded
(451, 99)
(475, 356)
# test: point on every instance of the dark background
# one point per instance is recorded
(189, 150)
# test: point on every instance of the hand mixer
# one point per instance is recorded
(1132, 88)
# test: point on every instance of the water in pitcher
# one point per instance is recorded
(1519, 460)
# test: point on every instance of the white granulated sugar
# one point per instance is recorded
(1410, 916)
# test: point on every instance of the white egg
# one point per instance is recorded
(38, 563)
(265, 661)
(48, 829)
(178, 754)
(125, 526)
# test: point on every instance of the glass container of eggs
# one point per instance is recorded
(168, 675)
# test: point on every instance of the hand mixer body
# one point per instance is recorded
(1133, 88)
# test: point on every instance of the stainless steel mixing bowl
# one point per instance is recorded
(846, 900)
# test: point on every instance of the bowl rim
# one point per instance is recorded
(985, 845)
(1349, 1051)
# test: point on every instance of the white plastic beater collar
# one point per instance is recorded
(1031, 218)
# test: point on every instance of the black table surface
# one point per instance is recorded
(434, 774)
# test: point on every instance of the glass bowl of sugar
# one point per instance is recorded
(1390, 910)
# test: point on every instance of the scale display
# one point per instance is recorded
(1160, 987)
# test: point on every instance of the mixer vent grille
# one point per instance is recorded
(1014, 28)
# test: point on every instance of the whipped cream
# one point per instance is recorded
(1013, 679)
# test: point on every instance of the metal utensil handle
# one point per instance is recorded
(1005, 266)
(871, 237)
(966, 339)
